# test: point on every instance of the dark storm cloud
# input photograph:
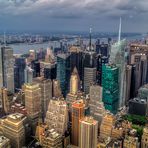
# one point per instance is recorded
(86, 10)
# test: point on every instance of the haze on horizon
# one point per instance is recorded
(74, 15)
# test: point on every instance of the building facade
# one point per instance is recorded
(88, 133)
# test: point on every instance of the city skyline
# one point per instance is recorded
(49, 15)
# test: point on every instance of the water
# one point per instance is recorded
(24, 48)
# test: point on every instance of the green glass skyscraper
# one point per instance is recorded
(110, 86)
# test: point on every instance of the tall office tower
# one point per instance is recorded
(77, 114)
(13, 128)
(97, 109)
(133, 82)
(76, 60)
(4, 142)
(74, 88)
(89, 63)
(57, 116)
(118, 57)
(106, 126)
(63, 71)
(136, 59)
(131, 142)
(144, 68)
(19, 72)
(88, 133)
(102, 48)
(144, 140)
(33, 99)
(51, 139)
(89, 78)
(101, 60)
(141, 49)
(6, 98)
(75, 93)
(28, 74)
(7, 68)
(46, 93)
(35, 65)
(49, 66)
(56, 89)
(128, 82)
(33, 103)
(110, 86)
(48, 70)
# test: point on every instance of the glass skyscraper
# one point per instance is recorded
(63, 71)
(19, 74)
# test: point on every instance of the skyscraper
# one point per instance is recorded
(49, 66)
(33, 99)
(110, 86)
(77, 114)
(56, 89)
(28, 74)
(76, 60)
(89, 78)
(74, 88)
(46, 93)
(128, 83)
(57, 116)
(88, 133)
(102, 48)
(19, 73)
(7, 68)
(63, 71)
(118, 57)
(97, 109)
(13, 128)
(33, 103)
(7, 98)
(101, 60)
(35, 65)
(89, 63)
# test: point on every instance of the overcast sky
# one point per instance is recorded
(74, 15)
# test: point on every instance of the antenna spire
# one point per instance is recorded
(4, 38)
(90, 44)
(119, 35)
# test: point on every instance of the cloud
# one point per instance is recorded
(74, 8)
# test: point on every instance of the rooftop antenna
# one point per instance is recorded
(119, 35)
(90, 44)
(4, 39)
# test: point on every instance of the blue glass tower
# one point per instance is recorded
(63, 72)
(19, 75)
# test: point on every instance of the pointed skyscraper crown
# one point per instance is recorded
(74, 81)
(75, 71)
